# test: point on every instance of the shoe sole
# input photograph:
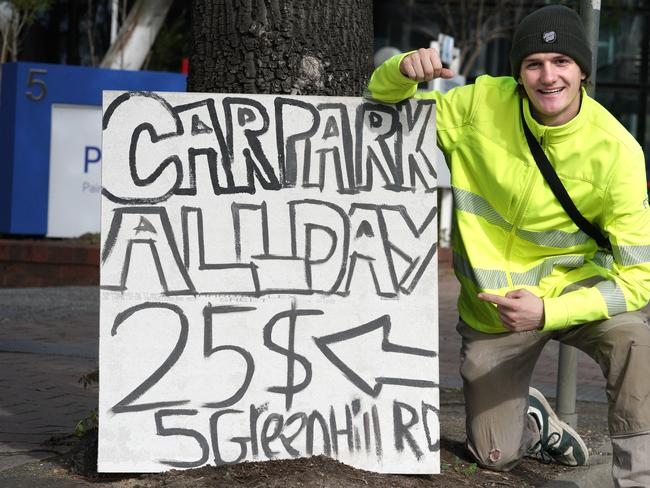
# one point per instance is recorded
(541, 399)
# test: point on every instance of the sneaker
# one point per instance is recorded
(558, 441)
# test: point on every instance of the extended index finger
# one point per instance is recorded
(496, 299)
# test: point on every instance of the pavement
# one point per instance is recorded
(49, 339)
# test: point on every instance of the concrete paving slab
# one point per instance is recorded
(30, 475)
(598, 476)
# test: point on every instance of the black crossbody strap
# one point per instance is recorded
(558, 189)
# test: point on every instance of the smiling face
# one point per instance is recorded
(552, 83)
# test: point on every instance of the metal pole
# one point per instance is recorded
(566, 385)
(590, 13)
(568, 362)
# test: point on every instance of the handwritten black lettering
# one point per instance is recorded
(284, 247)
(347, 431)
(126, 404)
(375, 152)
(291, 389)
(172, 431)
(414, 125)
(232, 139)
(432, 435)
(402, 429)
(244, 143)
(209, 349)
(214, 435)
(125, 232)
(150, 188)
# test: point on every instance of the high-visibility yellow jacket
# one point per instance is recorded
(510, 230)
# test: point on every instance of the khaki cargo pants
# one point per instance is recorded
(497, 369)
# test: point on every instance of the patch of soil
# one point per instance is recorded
(321, 471)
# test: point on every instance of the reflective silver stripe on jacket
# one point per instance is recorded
(631, 255)
(472, 203)
(554, 238)
(475, 204)
(613, 296)
(484, 278)
(533, 276)
(495, 278)
(603, 259)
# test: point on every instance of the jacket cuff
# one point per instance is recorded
(556, 313)
(573, 308)
(394, 75)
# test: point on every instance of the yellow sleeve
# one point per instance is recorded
(627, 224)
(387, 84)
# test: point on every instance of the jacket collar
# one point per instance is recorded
(558, 133)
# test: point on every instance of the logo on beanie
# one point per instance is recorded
(549, 37)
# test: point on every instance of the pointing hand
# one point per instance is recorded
(519, 310)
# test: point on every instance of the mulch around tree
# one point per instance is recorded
(77, 467)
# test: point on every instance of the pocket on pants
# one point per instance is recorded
(631, 412)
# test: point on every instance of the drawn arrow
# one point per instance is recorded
(404, 361)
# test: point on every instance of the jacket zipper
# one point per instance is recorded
(521, 209)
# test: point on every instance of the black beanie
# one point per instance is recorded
(551, 29)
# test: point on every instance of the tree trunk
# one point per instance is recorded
(298, 47)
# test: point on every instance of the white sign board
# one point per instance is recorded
(269, 282)
(75, 170)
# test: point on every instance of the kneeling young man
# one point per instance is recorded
(528, 273)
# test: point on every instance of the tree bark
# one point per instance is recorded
(297, 47)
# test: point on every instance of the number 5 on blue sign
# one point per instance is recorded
(38, 86)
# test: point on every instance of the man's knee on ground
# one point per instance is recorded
(496, 459)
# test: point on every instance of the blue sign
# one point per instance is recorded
(27, 93)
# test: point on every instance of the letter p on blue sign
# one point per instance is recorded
(92, 155)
